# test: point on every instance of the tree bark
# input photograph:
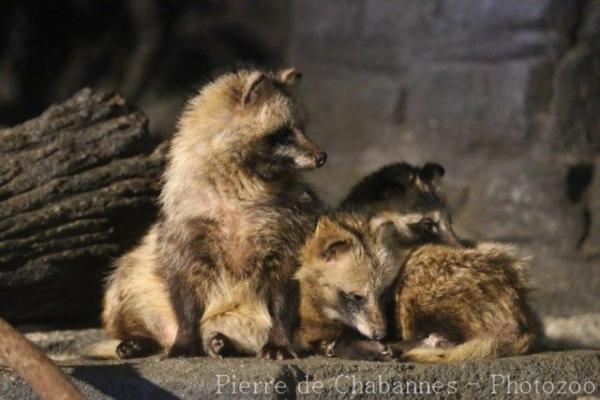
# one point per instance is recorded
(25, 359)
(78, 185)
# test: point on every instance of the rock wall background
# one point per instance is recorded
(154, 53)
(504, 93)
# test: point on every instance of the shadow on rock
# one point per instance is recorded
(121, 381)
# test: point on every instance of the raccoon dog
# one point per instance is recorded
(451, 303)
(214, 273)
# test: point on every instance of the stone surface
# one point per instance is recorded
(591, 246)
(64, 345)
(78, 185)
(569, 332)
(319, 377)
(500, 92)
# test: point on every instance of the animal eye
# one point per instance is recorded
(429, 225)
(356, 298)
(282, 136)
(334, 249)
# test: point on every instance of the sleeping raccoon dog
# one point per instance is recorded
(451, 303)
(347, 274)
(347, 265)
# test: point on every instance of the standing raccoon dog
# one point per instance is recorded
(214, 274)
(451, 303)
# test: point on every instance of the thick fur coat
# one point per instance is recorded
(214, 273)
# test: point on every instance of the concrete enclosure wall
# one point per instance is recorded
(504, 93)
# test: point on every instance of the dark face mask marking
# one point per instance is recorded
(352, 303)
(283, 136)
(426, 230)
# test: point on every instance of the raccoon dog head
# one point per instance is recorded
(410, 197)
(347, 265)
(251, 117)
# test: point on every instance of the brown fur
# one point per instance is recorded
(452, 303)
(474, 300)
(347, 265)
(406, 194)
(234, 213)
(136, 301)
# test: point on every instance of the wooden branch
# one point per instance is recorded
(24, 358)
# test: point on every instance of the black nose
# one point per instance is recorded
(378, 334)
(320, 159)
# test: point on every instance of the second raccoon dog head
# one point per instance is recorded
(346, 267)
(409, 196)
(251, 118)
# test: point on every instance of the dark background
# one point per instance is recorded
(155, 53)
(504, 93)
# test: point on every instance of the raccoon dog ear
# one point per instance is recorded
(331, 240)
(290, 76)
(257, 83)
(431, 171)
(334, 248)
(383, 228)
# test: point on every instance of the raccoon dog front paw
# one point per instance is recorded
(136, 347)
(327, 348)
(273, 352)
(219, 346)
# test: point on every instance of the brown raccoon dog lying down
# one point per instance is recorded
(451, 303)
(214, 274)
(346, 267)
(456, 304)
(409, 196)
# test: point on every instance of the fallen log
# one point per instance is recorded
(78, 186)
